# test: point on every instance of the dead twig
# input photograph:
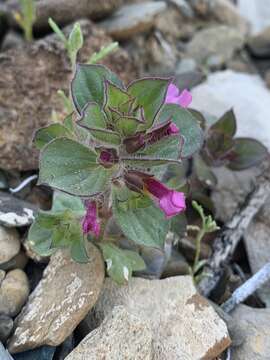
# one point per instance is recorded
(248, 288)
(231, 234)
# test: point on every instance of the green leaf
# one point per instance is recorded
(71, 167)
(106, 136)
(140, 220)
(115, 96)
(179, 224)
(156, 154)
(88, 84)
(58, 31)
(127, 125)
(150, 94)
(226, 124)
(75, 42)
(46, 134)
(188, 126)
(246, 153)
(121, 263)
(68, 122)
(104, 51)
(62, 202)
(204, 172)
(93, 117)
(78, 251)
(40, 239)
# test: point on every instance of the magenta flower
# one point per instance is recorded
(175, 97)
(90, 223)
(172, 129)
(171, 202)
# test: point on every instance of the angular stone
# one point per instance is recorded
(217, 40)
(120, 336)
(176, 313)
(228, 89)
(133, 19)
(66, 293)
(255, 326)
(27, 102)
(9, 244)
(14, 292)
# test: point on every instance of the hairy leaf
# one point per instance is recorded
(88, 84)
(46, 134)
(188, 125)
(121, 263)
(71, 167)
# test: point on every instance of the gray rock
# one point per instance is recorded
(227, 13)
(9, 244)
(133, 19)
(66, 11)
(255, 326)
(66, 293)
(217, 40)
(245, 93)
(14, 292)
(17, 262)
(120, 336)
(12, 40)
(256, 12)
(185, 66)
(259, 44)
(231, 190)
(2, 276)
(6, 326)
(15, 212)
(4, 354)
(176, 313)
(258, 247)
(184, 7)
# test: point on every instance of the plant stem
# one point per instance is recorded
(199, 237)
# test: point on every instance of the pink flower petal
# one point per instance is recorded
(90, 223)
(175, 97)
(185, 98)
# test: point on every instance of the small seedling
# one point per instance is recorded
(208, 226)
(103, 52)
(73, 43)
(26, 18)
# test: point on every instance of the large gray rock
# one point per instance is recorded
(14, 292)
(9, 244)
(245, 93)
(66, 293)
(176, 313)
(121, 336)
(6, 326)
(133, 19)
(255, 326)
(219, 40)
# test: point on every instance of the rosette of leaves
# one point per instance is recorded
(222, 148)
(114, 130)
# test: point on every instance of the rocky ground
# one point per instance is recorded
(54, 309)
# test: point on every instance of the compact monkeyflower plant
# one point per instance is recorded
(107, 163)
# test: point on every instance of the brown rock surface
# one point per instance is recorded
(30, 78)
